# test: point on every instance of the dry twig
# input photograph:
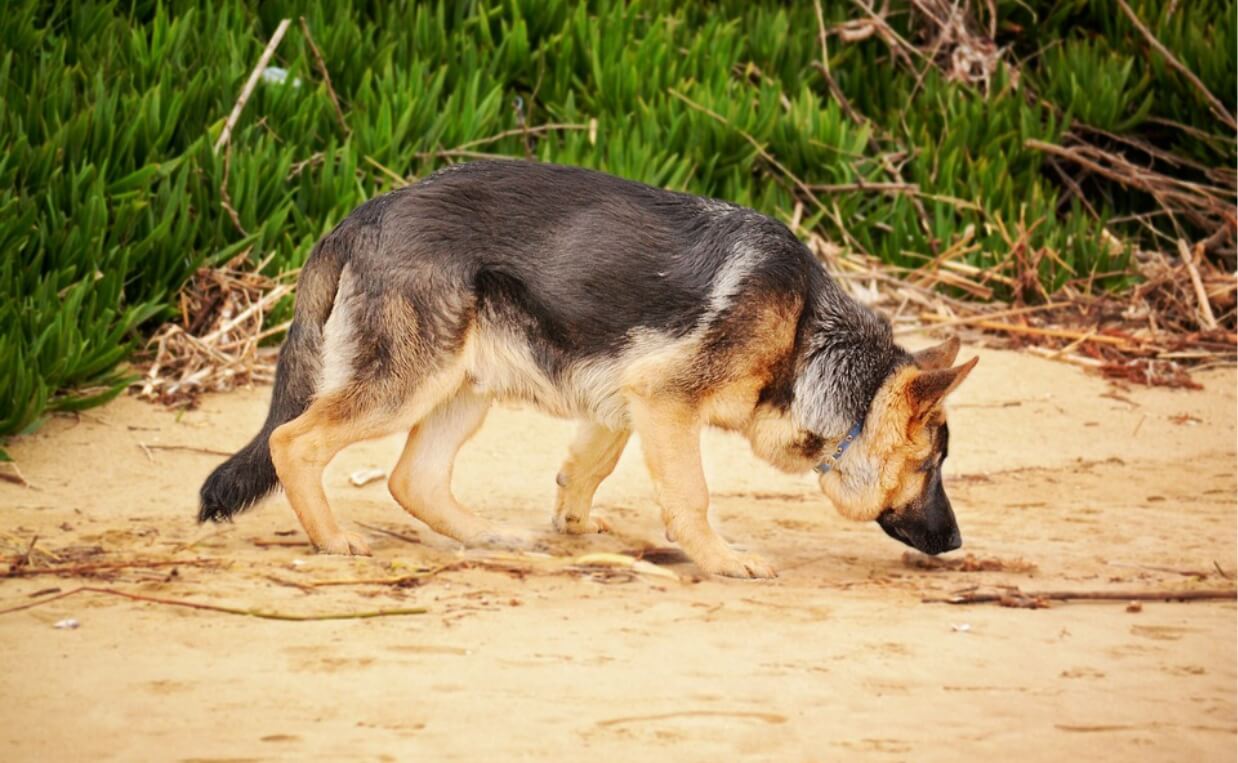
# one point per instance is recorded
(392, 533)
(19, 570)
(1013, 597)
(1214, 103)
(225, 136)
(326, 77)
(259, 613)
(215, 346)
(188, 448)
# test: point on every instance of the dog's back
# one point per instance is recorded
(593, 255)
(553, 279)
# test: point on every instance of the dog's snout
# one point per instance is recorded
(954, 541)
(930, 537)
(940, 544)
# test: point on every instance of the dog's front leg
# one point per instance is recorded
(670, 435)
(591, 459)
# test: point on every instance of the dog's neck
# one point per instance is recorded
(844, 353)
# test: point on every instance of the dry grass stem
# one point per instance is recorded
(215, 345)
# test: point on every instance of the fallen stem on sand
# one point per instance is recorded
(263, 614)
(400, 581)
(1198, 574)
(23, 571)
(401, 536)
(189, 448)
(1015, 594)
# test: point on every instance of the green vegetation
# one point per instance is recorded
(110, 192)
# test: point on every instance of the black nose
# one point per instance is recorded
(954, 541)
(935, 544)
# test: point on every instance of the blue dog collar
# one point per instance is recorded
(825, 466)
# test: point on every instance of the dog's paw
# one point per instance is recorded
(572, 525)
(736, 565)
(346, 543)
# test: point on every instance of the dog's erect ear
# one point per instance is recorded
(938, 356)
(929, 388)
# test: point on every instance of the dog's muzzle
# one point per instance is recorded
(930, 537)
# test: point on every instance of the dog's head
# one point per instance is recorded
(892, 473)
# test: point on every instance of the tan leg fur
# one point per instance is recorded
(670, 434)
(591, 459)
(301, 449)
(421, 481)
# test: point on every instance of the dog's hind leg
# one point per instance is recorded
(301, 449)
(591, 459)
(358, 411)
(670, 434)
(421, 481)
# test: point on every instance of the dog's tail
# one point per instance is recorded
(249, 475)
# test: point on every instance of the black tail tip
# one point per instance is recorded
(233, 488)
(214, 512)
(217, 501)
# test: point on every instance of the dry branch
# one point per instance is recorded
(523, 131)
(1215, 103)
(19, 570)
(392, 533)
(215, 345)
(226, 135)
(326, 77)
(835, 90)
(1209, 206)
(1014, 328)
(1025, 599)
(1205, 309)
(763, 153)
(259, 613)
(188, 448)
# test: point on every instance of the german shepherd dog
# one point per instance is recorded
(630, 308)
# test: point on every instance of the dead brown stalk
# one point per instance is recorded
(259, 613)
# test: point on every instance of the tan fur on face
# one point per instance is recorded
(883, 469)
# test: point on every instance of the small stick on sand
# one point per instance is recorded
(24, 560)
(1206, 317)
(1015, 594)
(302, 587)
(10, 473)
(260, 543)
(189, 448)
(263, 614)
(402, 581)
(1152, 568)
(401, 536)
(21, 571)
